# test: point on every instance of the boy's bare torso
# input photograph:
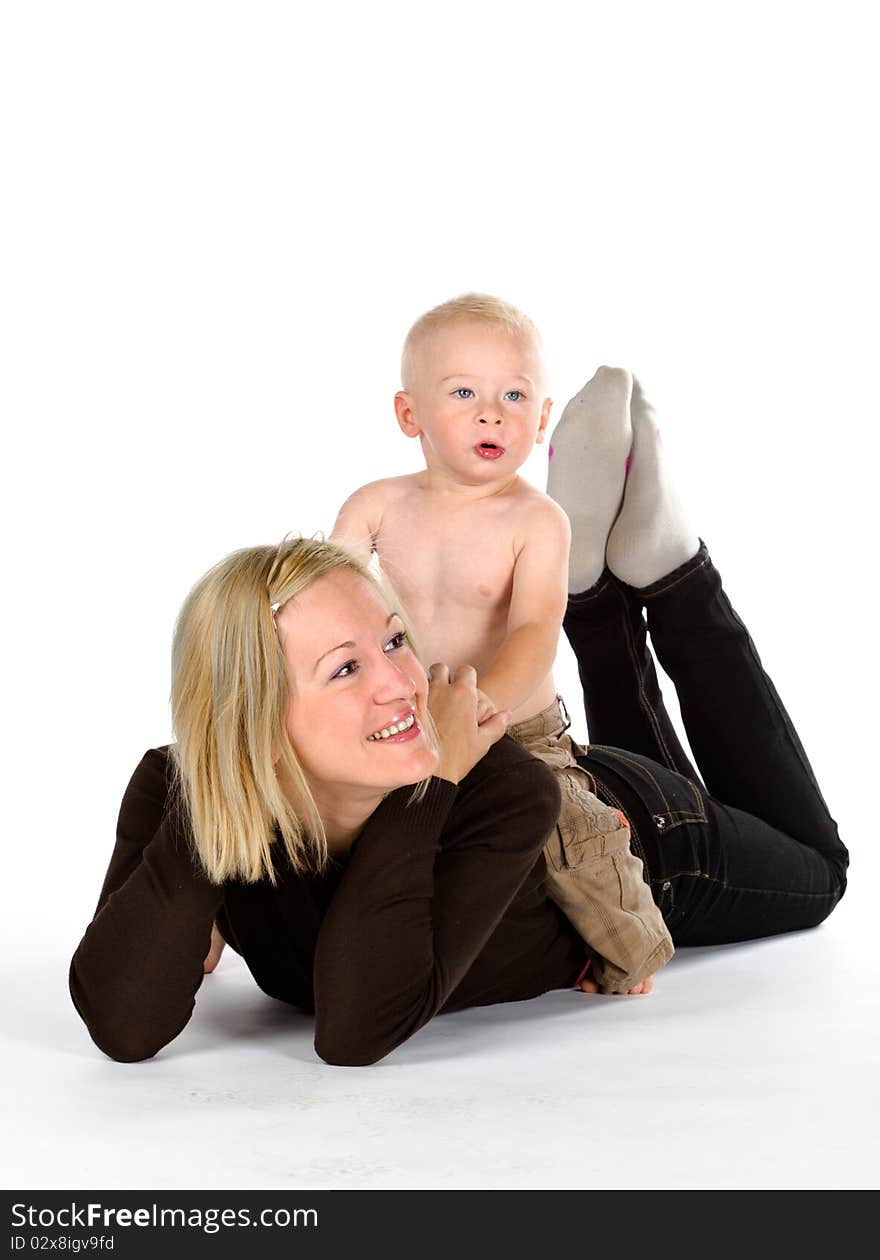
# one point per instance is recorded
(451, 559)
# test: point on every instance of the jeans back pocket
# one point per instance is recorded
(671, 799)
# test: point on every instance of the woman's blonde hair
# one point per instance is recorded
(229, 698)
(481, 308)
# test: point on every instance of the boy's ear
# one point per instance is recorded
(403, 409)
(545, 416)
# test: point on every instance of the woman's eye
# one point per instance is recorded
(464, 392)
(351, 667)
(346, 670)
(518, 392)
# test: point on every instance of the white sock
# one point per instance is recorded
(588, 454)
(651, 536)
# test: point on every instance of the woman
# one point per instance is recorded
(288, 664)
(372, 846)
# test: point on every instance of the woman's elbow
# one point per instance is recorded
(347, 1046)
(120, 1039)
(119, 1025)
(126, 1049)
(338, 1052)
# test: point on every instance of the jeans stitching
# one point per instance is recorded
(593, 592)
(700, 798)
(620, 756)
(681, 578)
(767, 892)
(769, 692)
(639, 668)
(771, 695)
(680, 815)
(669, 821)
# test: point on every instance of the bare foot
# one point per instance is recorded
(590, 986)
(217, 947)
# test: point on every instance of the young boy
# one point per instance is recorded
(480, 560)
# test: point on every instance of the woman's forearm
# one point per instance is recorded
(134, 976)
(425, 888)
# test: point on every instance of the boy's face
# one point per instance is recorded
(477, 402)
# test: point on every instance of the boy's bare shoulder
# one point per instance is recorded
(397, 487)
(361, 516)
(539, 514)
(372, 497)
(381, 492)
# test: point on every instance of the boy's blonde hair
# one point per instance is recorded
(229, 698)
(483, 308)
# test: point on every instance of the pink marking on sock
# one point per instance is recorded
(550, 451)
(659, 438)
(629, 460)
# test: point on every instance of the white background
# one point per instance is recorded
(219, 222)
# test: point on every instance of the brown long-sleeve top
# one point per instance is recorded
(439, 906)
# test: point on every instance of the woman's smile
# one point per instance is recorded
(399, 730)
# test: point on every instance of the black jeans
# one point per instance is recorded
(750, 849)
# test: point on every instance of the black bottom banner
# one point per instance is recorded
(132, 1224)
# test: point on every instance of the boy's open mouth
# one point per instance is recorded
(489, 450)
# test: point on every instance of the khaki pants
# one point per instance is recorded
(592, 874)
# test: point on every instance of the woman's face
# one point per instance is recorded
(353, 675)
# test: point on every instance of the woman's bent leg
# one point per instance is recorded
(744, 742)
(622, 698)
(758, 852)
(717, 873)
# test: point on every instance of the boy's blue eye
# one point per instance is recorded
(464, 392)
(351, 667)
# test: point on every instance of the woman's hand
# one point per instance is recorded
(457, 708)
(217, 944)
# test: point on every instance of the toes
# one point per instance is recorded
(588, 986)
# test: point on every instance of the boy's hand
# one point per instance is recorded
(464, 738)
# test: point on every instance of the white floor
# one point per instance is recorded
(749, 1066)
